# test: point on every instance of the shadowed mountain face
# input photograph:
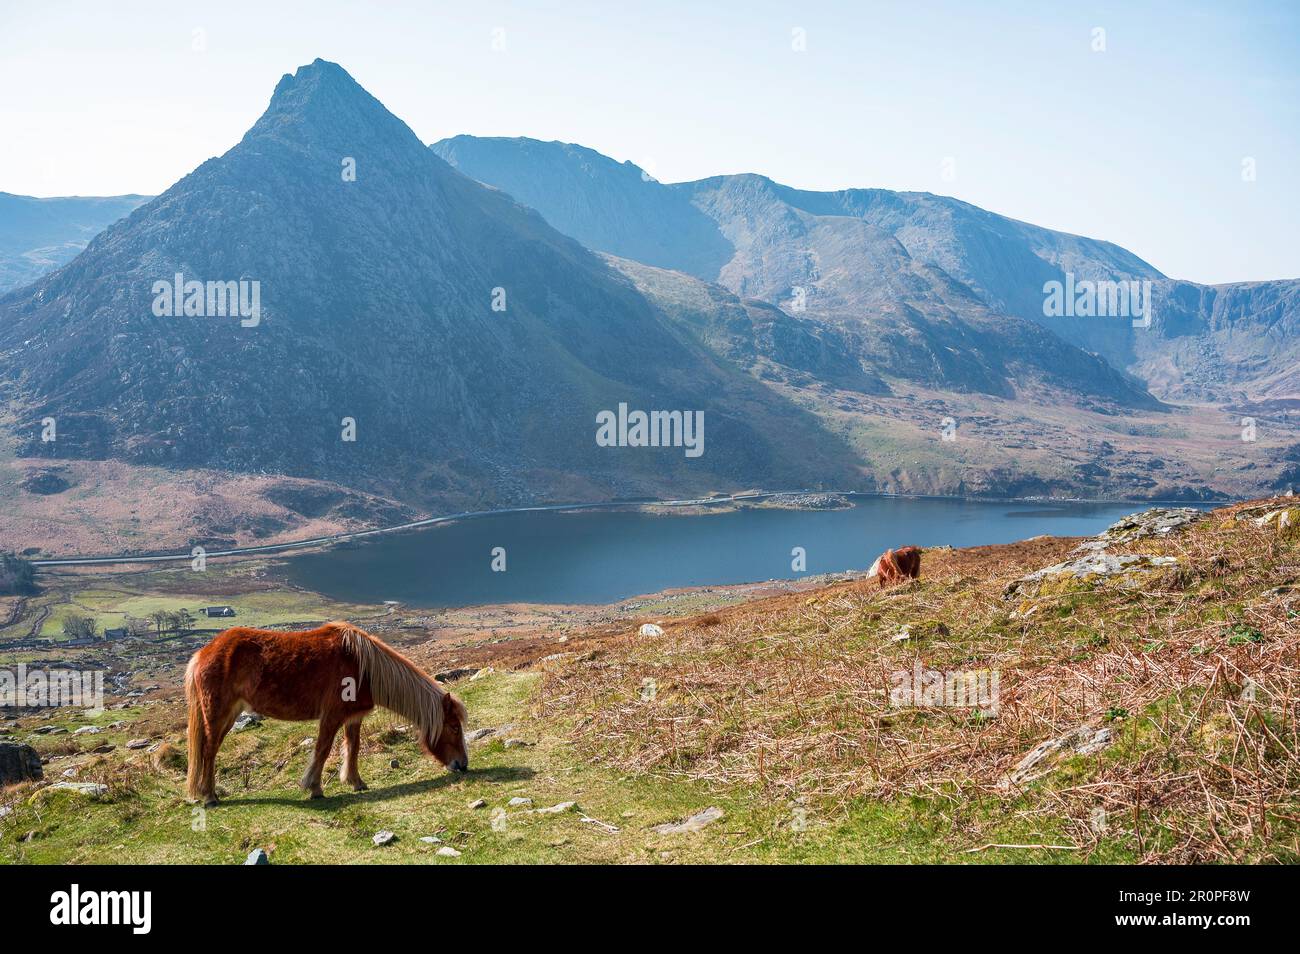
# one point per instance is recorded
(610, 206)
(39, 235)
(919, 275)
(376, 297)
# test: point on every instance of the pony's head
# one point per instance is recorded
(448, 746)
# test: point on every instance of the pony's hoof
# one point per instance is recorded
(360, 787)
(211, 802)
(316, 793)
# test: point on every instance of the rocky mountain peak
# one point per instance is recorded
(322, 105)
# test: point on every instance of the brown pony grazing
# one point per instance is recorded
(894, 566)
(336, 673)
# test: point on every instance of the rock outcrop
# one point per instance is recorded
(19, 763)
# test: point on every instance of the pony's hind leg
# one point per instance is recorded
(329, 727)
(218, 727)
(348, 773)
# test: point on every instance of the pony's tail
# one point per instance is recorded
(195, 734)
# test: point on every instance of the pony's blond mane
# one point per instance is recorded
(396, 683)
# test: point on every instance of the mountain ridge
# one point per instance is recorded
(1004, 262)
(376, 300)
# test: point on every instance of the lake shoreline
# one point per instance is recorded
(584, 555)
(724, 503)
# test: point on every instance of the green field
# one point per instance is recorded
(114, 599)
(144, 818)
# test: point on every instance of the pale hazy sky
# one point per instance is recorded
(1141, 144)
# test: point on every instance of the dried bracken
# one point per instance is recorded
(1192, 666)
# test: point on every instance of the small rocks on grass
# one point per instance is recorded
(247, 720)
(450, 675)
(479, 734)
(1097, 563)
(1284, 519)
(384, 837)
(393, 763)
(602, 825)
(559, 809)
(138, 744)
(930, 628)
(517, 743)
(103, 749)
(49, 730)
(89, 789)
(518, 802)
(1042, 758)
(448, 852)
(485, 671)
(88, 730)
(696, 822)
(306, 742)
(258, 856)
(1156, 522)
(650, 629)
(431, 840)
(478, 803)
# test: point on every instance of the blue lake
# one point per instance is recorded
(601, 556)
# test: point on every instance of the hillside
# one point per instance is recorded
(1144, 706)
(843, 256)
(1215, 343)
(1030, 440)
(1144, 710)
(856, 249)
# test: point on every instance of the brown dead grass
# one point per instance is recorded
(1193, 668)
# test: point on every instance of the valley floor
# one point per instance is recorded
(1145, 709)
(1029, 446)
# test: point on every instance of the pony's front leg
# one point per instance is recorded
(348, 773)
(329, 727)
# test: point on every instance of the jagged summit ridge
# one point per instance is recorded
(321, 104)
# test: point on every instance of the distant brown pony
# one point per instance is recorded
(336, 673)
(894, 566)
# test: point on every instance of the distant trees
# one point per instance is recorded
(17, 576)
(166, 621)
(137, 627)
(79, 627)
